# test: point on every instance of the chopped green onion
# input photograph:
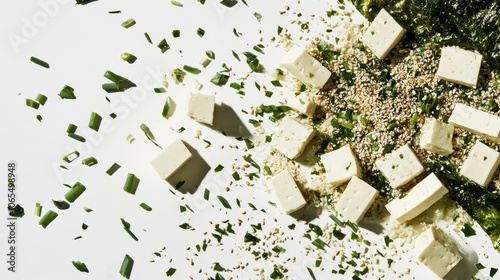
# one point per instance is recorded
(178, 75)
(80, 266)
(468, 230)
(130, 138)
(40, 98)
(219, 79)
(128, 57)
(493, 271)
(128, 23)
(257, 16)
(170, 271)
(126, 268)
(166, 108)
(414, 119)
(85, 226)
(145, 206)
(236, 176)
(206, 194)
(76, 190)
(200, 32)
(163, 45)
(176, 33)
(32, 103)
(149, 134)
(224, 202)
(159, 90)
(320, 243)
(115, 12)
(338, 234)
(71, 128)
(126, 227)
(95, 121)
(112, 169)
(38, 209)
(218, 168)
(250, 238)
(39, 62)
(115, 78)
(229, 3)
(77, 137)
(86, 209)
(205, 62)
(61, 204)
(148, 38)
(47, 218)
(39, 118)
(177, 3)
(89, 161)
(131, 183)
(110, 87)
(210, 54)
(191, 70)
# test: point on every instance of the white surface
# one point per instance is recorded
(305, 68)
(400, 166)
(287, 192)
(417, 200)
(437, 137)
(356, 199)
(481, 164)
(459, 66)
(291, 137)
(171, 159)
(340, 165)
(476, 121)
(81, 43)
(383, 34)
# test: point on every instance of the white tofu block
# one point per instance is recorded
(417, 200)
(292, 137)
(481, 164)
(171, 159)
(201, 107)
(305, 68)
(303, 105)
(383, 34)
(437, 137)
(400, 167)
(356, 200)
(340, 165)
(288, 193)
(459, 66)
(476, 121)
(437, 251)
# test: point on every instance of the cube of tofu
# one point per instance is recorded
(356, 200)
(303, 105)
(437, 251)
(383, 34)
(417, 200)
(437, 137)
(400, 166)
(481, 164)
(288, 193)
(305, 68)
(476, 121)
(292, 137)
(201, 107)
(171, 159)
(340, 165)
(459, 66)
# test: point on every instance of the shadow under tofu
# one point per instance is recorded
(370, 225)
(307, 213)
(466, 268)
(191, 173)
(308, 156)
(227, 122)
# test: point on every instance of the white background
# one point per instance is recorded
(81, 43)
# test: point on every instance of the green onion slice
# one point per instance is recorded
(131, 183)
(47, 218)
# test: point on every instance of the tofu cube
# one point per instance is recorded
(459, 66)
(288, 193)
(417, 200)
(303, 105)
(305, 68)
(481, 164)
(383, 34)
(171, 159)
(437, 137)
(356, 200)
(340, 165)
(292, 137)
(400, 167)
(434, 249)
(201, 107)
(476, 121)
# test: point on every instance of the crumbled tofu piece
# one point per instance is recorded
(356, 200)
(201, 107)
(340, 165)
(303, 105)
(459, 66)
(288, 193)
(436, 251)
(305, 68)
(437, 137)
(292, 137)
(400, 166)
(383, 34)
(476, 121)
(171, 159)
(481, 164)
(417, 200)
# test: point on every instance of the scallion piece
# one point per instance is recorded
(61, 204)
(39, 118)
(71, 128)
(210, 54)
(145, 206)
(71, 156)
(115, 78)
(40, 98)
(163, 45)
(67, 93)
(205, 62)
(219, 79)
(177, 3)
(76, 190)
(126, 268)
(176, 33)
(224, 202)
(77, 137)
(128, 23)
(89, 161)
(110, 87)
(218, 168)
(112, 169)
(148, 38)
(95, 121)
(170, 271)
(130, 138)
(149, 134)
(39, 62)
(32, 103)
(166, 108)
(128, 57)
(131, 183)
(206, 194)
(200, 32)
(80, 266)
(115, 12)
(250, 238)
(47, 218)
(229, 3)
(126, 226)
(191, 70)
(38, 209)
